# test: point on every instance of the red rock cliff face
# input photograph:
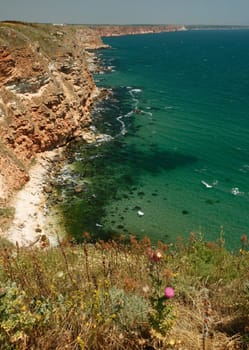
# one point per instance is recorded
(46, 92)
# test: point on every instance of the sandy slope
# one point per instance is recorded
(31, 215)
(2, 187)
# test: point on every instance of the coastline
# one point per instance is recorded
(32, 222)
(31, 218)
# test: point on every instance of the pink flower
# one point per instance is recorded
(169, 292)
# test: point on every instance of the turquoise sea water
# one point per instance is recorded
(179, 158)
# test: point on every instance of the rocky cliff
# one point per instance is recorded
(46, 93)
(116, 30)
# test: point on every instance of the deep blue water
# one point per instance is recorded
(179, 118)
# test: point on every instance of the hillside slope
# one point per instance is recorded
(46, 92)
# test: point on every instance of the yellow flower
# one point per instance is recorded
(156, 334)
(171, 342)
(80, 343)
(23, 308)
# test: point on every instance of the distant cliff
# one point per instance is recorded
(46, 91)
(117, 30)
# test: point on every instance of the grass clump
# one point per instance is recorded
(6, 217)
(124, 295)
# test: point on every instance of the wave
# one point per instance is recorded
(244, 168)
(208, 185)
(123, 128)
(236, 192)
(103, 138)
(120, 119)
(136, 90)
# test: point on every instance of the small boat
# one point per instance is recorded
(140, 213)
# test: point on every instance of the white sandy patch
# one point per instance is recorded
(2, 187)
(31, 218)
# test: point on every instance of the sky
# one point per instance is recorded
(217, 12)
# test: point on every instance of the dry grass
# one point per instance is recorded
(110, 295)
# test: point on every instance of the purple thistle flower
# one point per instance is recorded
(169, 292)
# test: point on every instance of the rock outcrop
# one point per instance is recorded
(46, 93)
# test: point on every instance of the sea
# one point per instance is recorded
(173, 159)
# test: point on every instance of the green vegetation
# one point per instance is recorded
(49, 39)
(112, 295)
(20, 34)
(6, 216)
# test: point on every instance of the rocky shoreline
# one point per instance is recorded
(47, 93)
(36, 220)
(46, 96)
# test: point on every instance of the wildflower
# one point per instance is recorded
(156, 255)
(23, 308)
(2, 292)
(244, 241)
(60, 274)
(243, 238)
(172, 342)
(169, 292)
(241, 251)
(80, 342)
(146, 289)
(156, 335)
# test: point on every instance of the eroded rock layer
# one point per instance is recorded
(46, 93)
